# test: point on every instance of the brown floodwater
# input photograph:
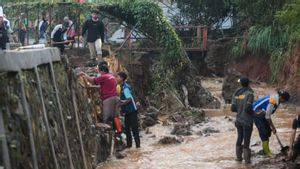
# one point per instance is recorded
(216, 151)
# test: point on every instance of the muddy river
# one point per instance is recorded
(211, 151)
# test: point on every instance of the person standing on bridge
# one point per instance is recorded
(95, 35)
(57, 36)
(108, 92)
(264, 108)
(242, 101)
(3, 30)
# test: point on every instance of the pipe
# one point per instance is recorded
(28, 114)
(61, 115)
(45, 116)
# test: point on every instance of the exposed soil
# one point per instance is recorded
(255, 67)
(289, 77)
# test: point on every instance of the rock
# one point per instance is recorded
(198, 96)
(171, 140)
(152, 115)
(199, 133)
(210, 130)
(148, 122)
(182, 129)
(172, 101)
(230, 84)
(120, 155)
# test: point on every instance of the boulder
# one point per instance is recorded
(148, 121)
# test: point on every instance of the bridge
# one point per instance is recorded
(194, 39)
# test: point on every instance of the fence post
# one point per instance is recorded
(204, 38)
(198, 36)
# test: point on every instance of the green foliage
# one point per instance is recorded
(276, 62)
(266, 39)
(203, 12)
(257, 11)
(238, 48)
(290, 17)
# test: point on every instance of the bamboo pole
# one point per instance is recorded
(29, 123)
(45, 116)
(61, 115)
(78, 127)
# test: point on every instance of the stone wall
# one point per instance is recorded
(46, 120)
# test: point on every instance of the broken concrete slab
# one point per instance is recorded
(14, 60)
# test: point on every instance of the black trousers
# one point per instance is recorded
(21, 36)
(263, 128)
(131, 126)
(296, 149)
(244, 134)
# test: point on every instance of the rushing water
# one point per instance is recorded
(208, 152)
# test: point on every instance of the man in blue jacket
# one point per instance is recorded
(129, 109)
(264, 108)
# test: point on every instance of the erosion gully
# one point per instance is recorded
(213, 151)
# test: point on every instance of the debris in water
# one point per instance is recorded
(182, 129)
(209, 130)
(171, 140)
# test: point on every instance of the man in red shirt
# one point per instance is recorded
(108, 92)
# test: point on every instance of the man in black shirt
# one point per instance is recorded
(95, 35)
(57, 36)
(294, 150)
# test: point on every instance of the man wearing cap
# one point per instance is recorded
(264, 108)
(242, 101)
(95, 35)
(3, 31)
(57, 36)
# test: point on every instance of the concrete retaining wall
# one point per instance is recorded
(45, 119)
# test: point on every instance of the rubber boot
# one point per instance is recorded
(247, 155)
(239, 152)
(137, 142)
(266, 149)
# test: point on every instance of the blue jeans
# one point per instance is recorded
(244, 134)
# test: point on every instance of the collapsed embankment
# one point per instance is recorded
(46, 119)
(257, 67)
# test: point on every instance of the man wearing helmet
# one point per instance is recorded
(264, 108)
